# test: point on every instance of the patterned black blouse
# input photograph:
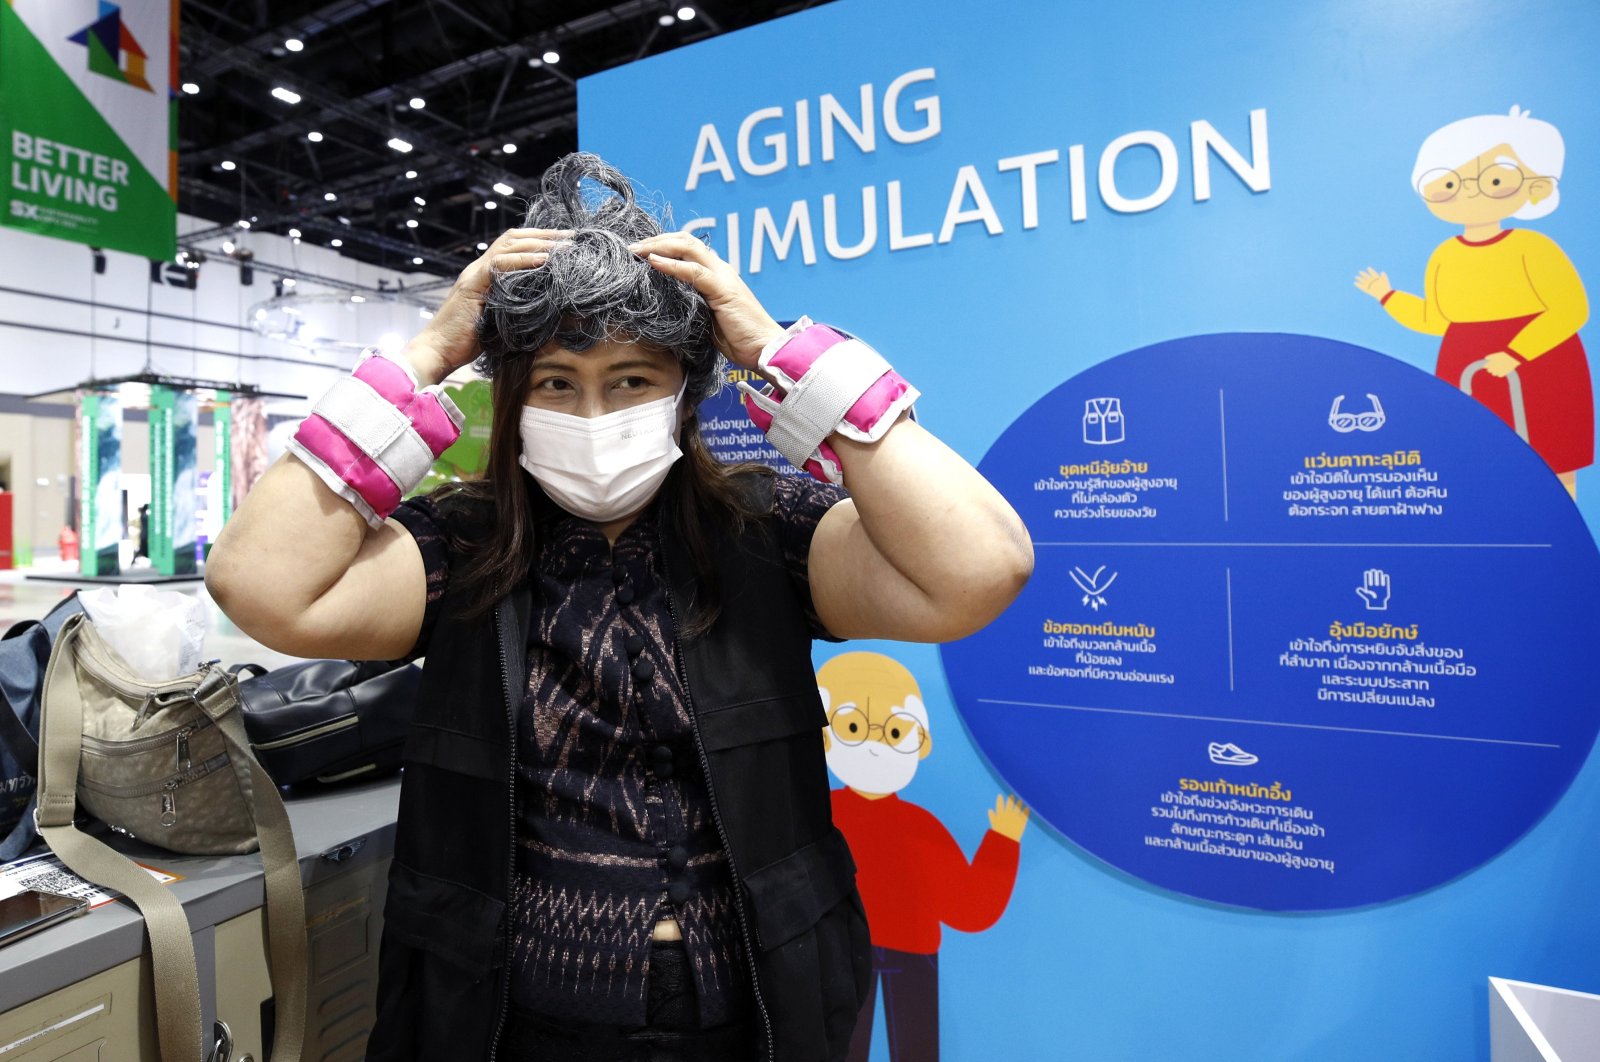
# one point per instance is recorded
(614, 828)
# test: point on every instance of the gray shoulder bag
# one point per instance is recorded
(169, 764)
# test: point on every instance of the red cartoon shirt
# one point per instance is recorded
(913, 876)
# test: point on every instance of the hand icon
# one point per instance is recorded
(1374, 589)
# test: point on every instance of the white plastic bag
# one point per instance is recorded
(159, 633)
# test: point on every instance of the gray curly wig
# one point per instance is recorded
(592, 288)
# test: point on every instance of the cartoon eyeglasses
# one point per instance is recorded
(1369, 420)
(900, 731)
(1499, 181)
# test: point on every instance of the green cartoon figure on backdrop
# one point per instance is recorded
(468, 455)
(1507, 301)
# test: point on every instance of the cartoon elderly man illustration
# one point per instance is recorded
(913, 876)
(1507, 301)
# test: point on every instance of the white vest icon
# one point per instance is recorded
(1102, 421)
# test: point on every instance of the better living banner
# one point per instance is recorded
(88, 118)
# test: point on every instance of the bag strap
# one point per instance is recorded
(218, 697)
(171, 946)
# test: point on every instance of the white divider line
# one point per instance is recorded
(1222, 414)
(1265, 722)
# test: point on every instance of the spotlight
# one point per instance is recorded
(286, 95)
(247, 271)
(227, 246)
(685, 13)
(503, 188)
(535, 62)
(314, 136)
(288, 282)
(242, 223)
(490, 204)
(552, 56)
(411, 175)
(426, 315)
(227, 164)
(335, 242)
(399, 145)
(411, 223)
(416, 261)
(509, 149)
(417, 103)
(358, 298)
(483, 247)
(295, 44)
(99, 260)
(191, 88)
(329, 196)
(417, 199)
(665, 20)
(294, 234)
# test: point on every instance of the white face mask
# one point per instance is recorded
(601, 468)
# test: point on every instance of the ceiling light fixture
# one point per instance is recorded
(503, 188)
(483, 247)
(358, 298)
(191, 88)
(314, 136)
(665, 20)
(417, 199)
(227, 246)
(411, 223)
(295, 44)
(294, 234)
(228, 164)
(426, 315)
(490, 204)
(552, 56)
(335, 242)
(685, 13)
(535, 62)
(411, 175)
(288, 282)
(286, 95)
(399, 145)
(330, 197)
(417, 103)
(243, 224)
(416, 261)
(509, 149)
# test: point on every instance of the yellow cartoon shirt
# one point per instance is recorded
(1517, 274)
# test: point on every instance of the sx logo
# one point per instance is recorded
(24, 210)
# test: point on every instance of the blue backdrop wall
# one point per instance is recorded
(1005, 259)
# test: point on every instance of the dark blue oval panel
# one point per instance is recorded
(1309, 628)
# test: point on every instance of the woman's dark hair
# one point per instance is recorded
(593, 289)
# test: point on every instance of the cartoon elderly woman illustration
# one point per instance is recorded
(1506, 300)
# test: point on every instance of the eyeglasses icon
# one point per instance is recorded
(1367, 420)
(901, 732)
(1499, 181)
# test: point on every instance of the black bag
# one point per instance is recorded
(24, 654)
(329, 720)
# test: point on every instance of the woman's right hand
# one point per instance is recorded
(451, 339)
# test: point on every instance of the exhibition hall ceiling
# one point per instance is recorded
(407, 130)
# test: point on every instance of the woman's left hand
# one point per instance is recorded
(742, 326)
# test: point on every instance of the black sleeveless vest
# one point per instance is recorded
(442, 986)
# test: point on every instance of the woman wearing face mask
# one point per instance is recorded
(614, 838)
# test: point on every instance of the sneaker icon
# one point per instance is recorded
(1230, 755)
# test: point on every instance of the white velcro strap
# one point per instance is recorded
(334, 482)
(815, 405)
(378, 430)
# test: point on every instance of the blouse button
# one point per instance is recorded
(643, 669)
(634, 644)
(677, 858)
(678, 891)
(625, 594)
(619, 575)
